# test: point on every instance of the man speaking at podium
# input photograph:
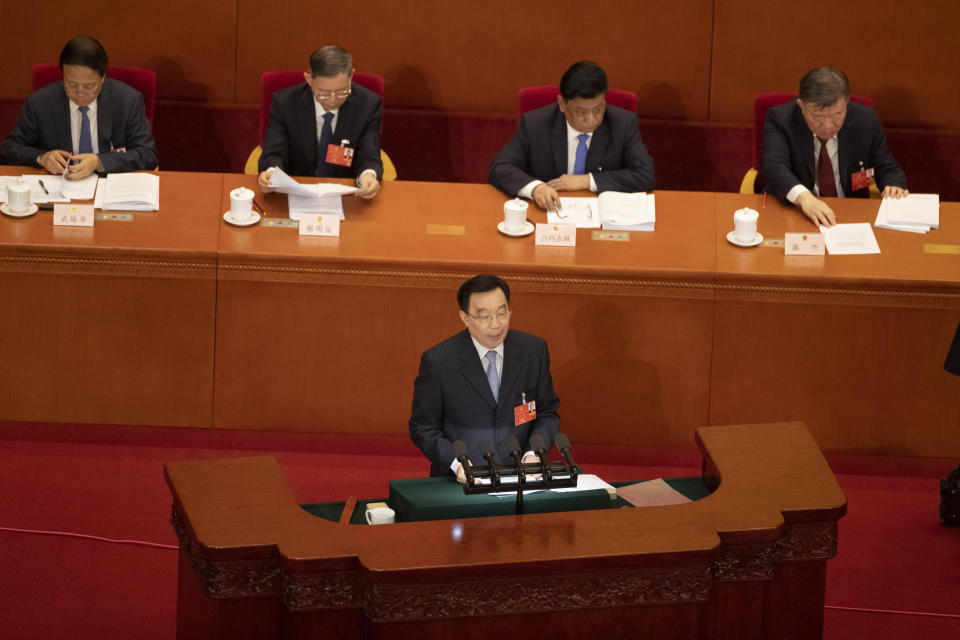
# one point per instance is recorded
(486, 383)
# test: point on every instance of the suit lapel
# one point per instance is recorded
(308, 124)
(806, 148)
(558, 142)
(105, 118)
(472, 370)
(510, 375)
(598, 145)
(63, 123)
(345, 117)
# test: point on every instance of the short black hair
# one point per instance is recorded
(480, 284)
(330, 61)
(85, 51)
(822, 87)
(583, 79)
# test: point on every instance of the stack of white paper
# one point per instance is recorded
(613, 210)
(627, 211)
(850, 239)
(917, 213)
(131, 192)
(324, 198)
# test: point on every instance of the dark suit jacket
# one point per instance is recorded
(452, 399)
(44, 125)
(617, 157)
(290, 141)
(788, 151)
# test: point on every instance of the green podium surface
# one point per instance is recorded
(421, 499)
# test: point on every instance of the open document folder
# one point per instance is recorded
(322, 198)
(613, 210)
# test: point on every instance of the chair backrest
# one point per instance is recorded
(273, 81)
(142, 80)
(764, 101)
(530, 98)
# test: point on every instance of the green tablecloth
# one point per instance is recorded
(442, 498)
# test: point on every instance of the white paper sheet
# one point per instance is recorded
(131, 191)
(50, 183)
(881, 222)
(283, 183)
(79, 189)
(914, 209)
(850, 239)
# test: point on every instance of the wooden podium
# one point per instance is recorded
(748, 561)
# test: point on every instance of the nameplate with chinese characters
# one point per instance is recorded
(319, 225)
(72, 215)
(804, 244)
(556, 235)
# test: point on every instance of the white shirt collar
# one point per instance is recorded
(482, 350)
(573, 133)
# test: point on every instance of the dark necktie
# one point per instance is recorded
(84, 146)
(828, 186)
(580, 160)
(326, 137)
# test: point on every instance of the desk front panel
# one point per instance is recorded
(112, 324)
(326, 333)
(852, 345)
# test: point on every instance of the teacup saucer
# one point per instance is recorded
(525, 230)
(32, 209)
(732, 239)
(253, 219)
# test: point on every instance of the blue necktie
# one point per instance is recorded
(85, 145)
(580, 161)
(326, 136)
(492, 376)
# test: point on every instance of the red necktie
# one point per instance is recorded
(825, 179)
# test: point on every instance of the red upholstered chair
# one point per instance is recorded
(529, 98)
(761, 103)
(273, 81)
(142, 80)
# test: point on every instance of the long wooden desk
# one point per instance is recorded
(748, 561)
(648, 338)
(112, 324)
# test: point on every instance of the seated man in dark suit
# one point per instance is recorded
(85, 123)
(577, 144)
(469, 385)
(792, 166)
(327, 127)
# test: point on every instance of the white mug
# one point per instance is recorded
(380, 515)
(514, 214)
(745, 225)
(18, 196)
(241, 203)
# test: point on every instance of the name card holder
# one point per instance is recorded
(556, 235)
(72, 215)
(319, 225)
(804, 244)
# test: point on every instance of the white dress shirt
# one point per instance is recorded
(75, 117)
(833, 151)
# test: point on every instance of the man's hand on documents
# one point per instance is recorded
(264, 181)
(55, 161)
(546, 197)
(891, 191)
(816, 209)
(369, 185)
(568, 182)
(82, 166)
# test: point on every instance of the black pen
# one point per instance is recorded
(43, 186)
(259, 208)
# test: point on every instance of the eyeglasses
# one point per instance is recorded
(329, 95)
(76, 87)
(501, 316)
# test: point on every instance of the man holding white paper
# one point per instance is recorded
(327, 127)
(87, 123)
(794, 165)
